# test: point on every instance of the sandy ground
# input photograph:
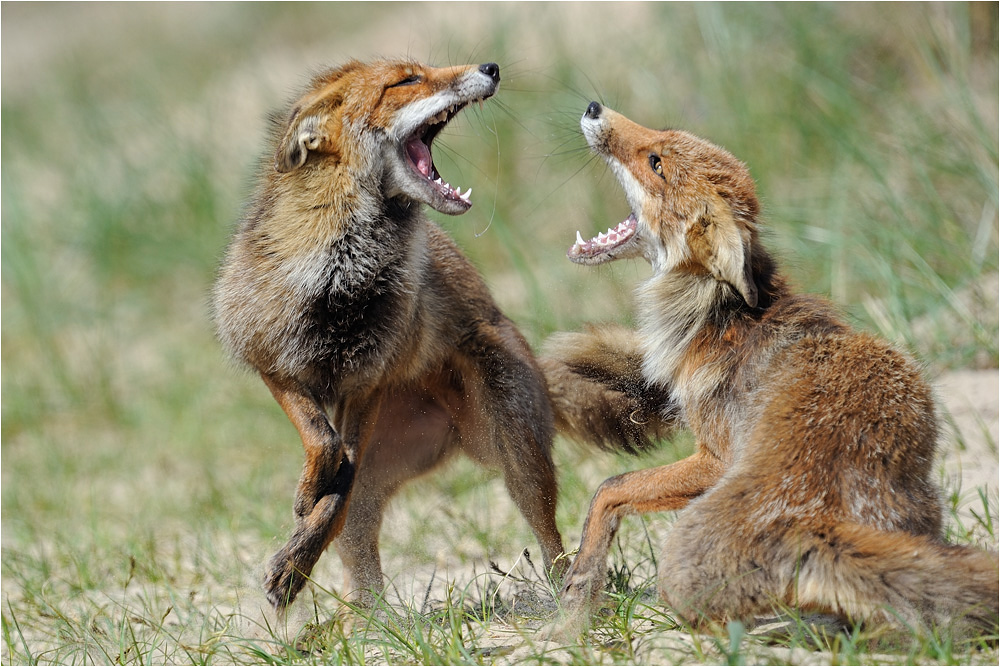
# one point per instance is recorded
(969, 462)
(970, 441)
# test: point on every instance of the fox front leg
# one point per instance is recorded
(640, 492)
(290, 567)
(324, 488)
(322, 444)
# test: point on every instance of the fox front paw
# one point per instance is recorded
(576, 602)
(581, 596)
(283, 580)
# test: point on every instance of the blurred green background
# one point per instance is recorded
(130, 133)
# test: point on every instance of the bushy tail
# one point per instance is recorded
(866, 574)
(598, 393)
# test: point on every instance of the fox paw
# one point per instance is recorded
(582, 596)
(580, 592)
(283, 580)
(566, 628)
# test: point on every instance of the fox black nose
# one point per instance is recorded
(491, 70)
(593, 111)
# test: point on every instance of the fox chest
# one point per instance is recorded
(351, 328)
(337, 316)
(724, 419)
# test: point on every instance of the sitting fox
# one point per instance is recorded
(811, 483)
(373, 332)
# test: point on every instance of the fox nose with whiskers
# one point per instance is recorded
(593, 111)
(491, 70)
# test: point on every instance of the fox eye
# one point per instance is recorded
(656, 164)
(408, 81)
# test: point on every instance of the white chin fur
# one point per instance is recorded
(635, 194)
(404, 178)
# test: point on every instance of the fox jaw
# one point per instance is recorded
(693, 203)
(378, 122)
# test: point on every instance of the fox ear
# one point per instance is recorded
(729, 260)
(302, 136)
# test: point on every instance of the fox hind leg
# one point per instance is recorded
(720, 563)
(357, 545)
(522, 454)
(507, 423)
(711, 573)
(534, 493)
(413, 436)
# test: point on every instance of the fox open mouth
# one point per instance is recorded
(604, 246)
(418, 152)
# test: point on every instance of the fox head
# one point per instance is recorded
(375, 123)
(694, 206)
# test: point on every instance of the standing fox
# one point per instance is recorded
(810, 485)
(373, 332)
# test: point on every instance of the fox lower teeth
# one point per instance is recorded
(454, 192)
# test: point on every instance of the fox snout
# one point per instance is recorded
(613, 135)
(599, 124)
(591, 126)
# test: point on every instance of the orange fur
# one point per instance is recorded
(811, 482)
(374, 333)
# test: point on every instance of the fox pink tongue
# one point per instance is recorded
(420, 154)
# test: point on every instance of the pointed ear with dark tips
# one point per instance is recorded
(302, 136)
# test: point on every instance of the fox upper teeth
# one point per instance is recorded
(443, 115)
(612, 237)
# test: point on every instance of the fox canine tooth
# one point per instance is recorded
(579, 239)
